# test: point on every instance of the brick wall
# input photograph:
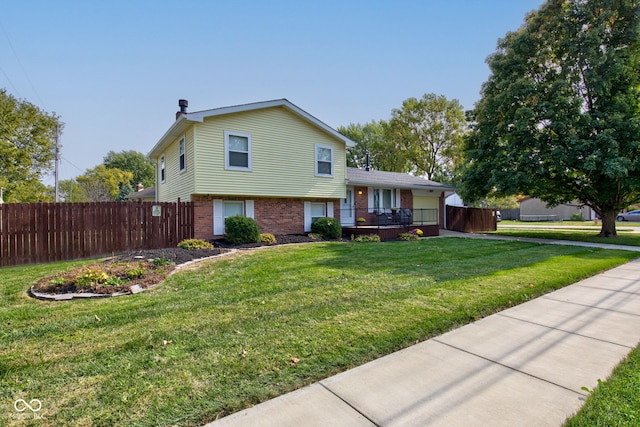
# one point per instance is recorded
(273, 215)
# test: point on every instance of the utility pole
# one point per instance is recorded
(57, 165)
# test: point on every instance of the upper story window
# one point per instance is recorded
(181, 155)
(237, 147)
(162, 169)
(324, 160)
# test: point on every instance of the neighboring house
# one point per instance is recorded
(276, 163)
(454, 199)
(533, 209)
(143, 194)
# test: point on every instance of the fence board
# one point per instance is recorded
(470, 220)
(45, 232)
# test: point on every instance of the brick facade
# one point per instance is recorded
(273, 215)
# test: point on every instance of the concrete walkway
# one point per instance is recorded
(524, 366)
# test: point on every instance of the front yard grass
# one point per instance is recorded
(624, 237)
(242, 329)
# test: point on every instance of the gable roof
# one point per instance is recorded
(373, 178)
(185, 120)
(143, 194)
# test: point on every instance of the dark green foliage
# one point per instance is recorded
(241, 229)
(328, 228)
(559, 117)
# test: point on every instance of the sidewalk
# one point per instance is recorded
(524, 366)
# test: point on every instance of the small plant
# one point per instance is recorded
(418, 232)
(58, 281)
(366, 238)
(114, 281)
(314, 236)
(159, 262)
(408, 237)
(328, 228)
(361, 220)
(193, 244)
(267, 238)
(136, 272)
(241, 229)
(92, 276)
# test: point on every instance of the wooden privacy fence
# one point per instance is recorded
(471, 220)
(45, 232)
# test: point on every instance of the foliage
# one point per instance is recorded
(361, 220)
(328, 228)
(428, 134)
(191, 244)
(132, 161)
(365, 238)
(371, 137)
(267, 238)
(159, 262)
(497, 202)
(71, 191)
(235, 323)
(125, 190)
(314, 236)
(102, 184)
(240, 230)
(27, 141)
(559, 117)
(576, 217)
(408, 236)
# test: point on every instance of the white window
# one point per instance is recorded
(237, 147)
(318, 210)
(162, 169)
(181, 155)
(223, 209)
(384, 199)
(324, 160)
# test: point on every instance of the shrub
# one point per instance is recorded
(577, 217)
(162, 261)
(366, 238)
(267, 238)
(192, 244)
(408, 236)
(328, 228)
(314, 236)
(240, 230)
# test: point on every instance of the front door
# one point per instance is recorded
(346, 209)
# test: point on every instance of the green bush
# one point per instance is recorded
(192, 244)
(408, 236)
(267, 238)
(366, 238)
(241, 229)
(328, 228)
(577, 217)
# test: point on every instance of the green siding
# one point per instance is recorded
(283, 157)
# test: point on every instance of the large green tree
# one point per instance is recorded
(102, 184)
(371, 137)
(559, 117)
(27, 148)
(428, 134)
(132, 161)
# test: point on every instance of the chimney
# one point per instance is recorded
(139, 187)
(183, 104)
(367, 168)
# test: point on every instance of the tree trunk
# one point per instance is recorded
(608, 224)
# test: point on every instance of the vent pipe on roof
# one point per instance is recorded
(183, 104)
(367, 168)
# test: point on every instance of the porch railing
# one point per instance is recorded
(362, 217)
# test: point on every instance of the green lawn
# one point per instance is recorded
(243, 329)
(574, 231)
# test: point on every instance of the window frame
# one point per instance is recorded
(318, 147)
(227, 156)
(324, 210)
(163, 169)
(182, 154)
(225, 203)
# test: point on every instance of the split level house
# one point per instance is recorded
(276, 163)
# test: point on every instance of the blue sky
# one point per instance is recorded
(114, 70)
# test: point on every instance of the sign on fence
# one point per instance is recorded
(45, 232)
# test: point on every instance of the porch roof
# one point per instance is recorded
(373, 178)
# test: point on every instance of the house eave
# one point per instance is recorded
(176, 130)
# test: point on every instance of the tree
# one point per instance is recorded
(372, 137)
(72, 191)
(559, 117)
(132, 161)
(429, 134)
(27, 136)
(102, 184)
